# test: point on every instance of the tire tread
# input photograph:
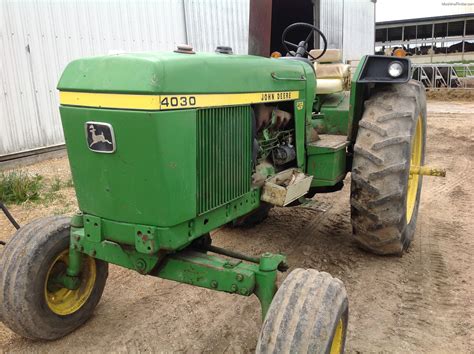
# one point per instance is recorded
(302, 313)
(381, 167)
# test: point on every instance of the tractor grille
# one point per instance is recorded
(224, 157)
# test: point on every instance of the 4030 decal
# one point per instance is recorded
(178, 101)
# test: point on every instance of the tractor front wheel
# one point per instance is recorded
(32, 304)
(390, 145)
(308, 314)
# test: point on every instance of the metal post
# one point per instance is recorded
(416, 37)
(432, 43)
(463, 39)
(316, 20)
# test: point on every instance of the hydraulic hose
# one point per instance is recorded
(9, 217)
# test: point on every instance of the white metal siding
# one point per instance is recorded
(218, 22)
(332, 22)
(359, 29)
(349, 25)
(38, 38)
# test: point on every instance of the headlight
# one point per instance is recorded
(379, 68)
(395, 69)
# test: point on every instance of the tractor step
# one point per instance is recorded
(331, 142)
(327, 160)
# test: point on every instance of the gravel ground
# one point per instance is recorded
(421, 302)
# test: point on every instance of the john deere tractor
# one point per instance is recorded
(166, 147)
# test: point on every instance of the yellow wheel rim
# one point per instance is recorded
(336, 345)
(415, 160)
(63, 301)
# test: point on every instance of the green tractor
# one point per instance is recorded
(166, 147)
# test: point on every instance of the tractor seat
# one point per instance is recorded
(331, 75)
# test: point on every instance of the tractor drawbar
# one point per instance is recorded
(427, 171)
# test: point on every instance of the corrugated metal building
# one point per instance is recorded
(217, 22)
(350, 25)
(358, 29)
(38, 38)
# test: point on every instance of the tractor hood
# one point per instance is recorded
(170, 72)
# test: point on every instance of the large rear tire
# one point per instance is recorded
(309, 314)
(384, 195)
(31, 304)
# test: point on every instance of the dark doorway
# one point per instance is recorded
(284, 13)
(269, 18)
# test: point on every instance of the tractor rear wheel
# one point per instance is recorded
(384, 194)
(309, 314)
(31, 304)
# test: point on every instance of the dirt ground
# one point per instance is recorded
(421, 302)
(453, 94)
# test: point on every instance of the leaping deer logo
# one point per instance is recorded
(97, 138)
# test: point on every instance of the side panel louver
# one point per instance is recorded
(224, 156)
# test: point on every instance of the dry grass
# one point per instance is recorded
(19, 187)
(56, 195)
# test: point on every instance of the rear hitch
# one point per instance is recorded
(427, 171)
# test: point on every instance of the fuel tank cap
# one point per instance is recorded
(184, 49)
(224, 49)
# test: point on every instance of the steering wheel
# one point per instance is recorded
(302, 47)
